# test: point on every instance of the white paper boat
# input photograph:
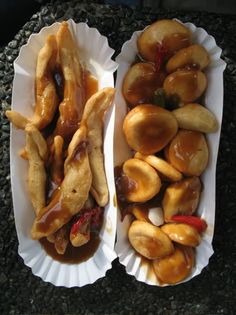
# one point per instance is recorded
(96, 54)
(214, 102)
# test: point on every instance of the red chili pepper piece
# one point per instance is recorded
(160, 56)
(93, 215)
(196, 222)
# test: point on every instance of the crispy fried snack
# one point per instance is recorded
(73, 192)
(45, 90)
(93, 116)
(71, 108)
(37, 152)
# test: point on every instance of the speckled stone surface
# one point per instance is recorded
(212, 292)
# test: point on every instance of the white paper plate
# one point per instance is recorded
(214, 102)
(96, 54)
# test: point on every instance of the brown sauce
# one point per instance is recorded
(126, 207)
(175, 42)
(73, 254)
(185, 147)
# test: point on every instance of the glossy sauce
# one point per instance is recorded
(184, 147)
(73, 254)
(122, 187)
(141, 88)
(175, 42)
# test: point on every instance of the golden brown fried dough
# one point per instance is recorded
(181, 197)
(36, 148)
(18, 120)
(194, 55)
(140, 82)
(163, 167)
(93, 116)
(144, 181)
(175, 267)
(149, 241)
(72, 106)
(149, 128)
(56, 170)
(171, 34)
(185, 86)
(182, 233)
(188, 152)
(196, 117)
(74, 190)
(46, 100)
(46, 96)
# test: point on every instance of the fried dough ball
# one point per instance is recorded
(196, 117)
(188, 152)
(181, 198)
(185, 86)
(171, 34)
(164, 168)
(144, 181)
(194, 55)
(149, 128)
(140, 82)
(149, 241)
(175, 267)
(182, 233)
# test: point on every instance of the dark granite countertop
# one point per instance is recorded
(214, 290)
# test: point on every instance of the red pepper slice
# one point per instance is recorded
(196, 222)
(160, 56)
(93, 215)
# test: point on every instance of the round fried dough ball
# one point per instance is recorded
(182, 233)
(181, 197)
(194, 55)
(149, 241)
(146, 182)
(140, 82)
(188, 152)
(175, 267)
(170, 34)
(185, 86)
(149, 128)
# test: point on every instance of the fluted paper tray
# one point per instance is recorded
(213, 100)
(96, 54)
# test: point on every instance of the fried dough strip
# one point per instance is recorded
(73, 192)
(45, 90)
(71, 108)
(93, 116)
(36, 150)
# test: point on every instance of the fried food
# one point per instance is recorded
(149, 128)
(152, 215)
(181, 197)
(140, 82)
(188, 152)
(18, 120)
(46, 100)
(36, 148)
(144, 183)
(61, 239)
(73, 192)
(175, 267)
(194, 55)
(170, 34)
(182, 233)
(196, 117)
(57, 163)
(166, 170)
(72, 106)
(93, 116)
(185, 86)
(149, 241)
(46, 97)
